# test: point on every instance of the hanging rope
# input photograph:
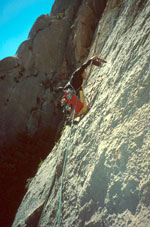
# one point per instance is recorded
(61, 186)
(63, 171)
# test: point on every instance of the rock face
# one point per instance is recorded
(107, 175)
(29, 116)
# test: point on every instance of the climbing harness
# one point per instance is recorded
(63, 171)
(68, 103)
(67, 97)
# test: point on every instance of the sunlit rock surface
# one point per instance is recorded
(29, 116)
(107, 175)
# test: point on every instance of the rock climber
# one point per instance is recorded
(74, 99)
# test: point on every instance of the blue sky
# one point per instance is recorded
(16, 20)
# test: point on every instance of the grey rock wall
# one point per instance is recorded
(29, 116)
(107, 175)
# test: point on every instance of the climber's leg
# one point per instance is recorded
(85, 106)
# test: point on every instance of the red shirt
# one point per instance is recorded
(74, 102)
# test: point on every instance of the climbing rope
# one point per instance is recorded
(63, 171)
(67, 147)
